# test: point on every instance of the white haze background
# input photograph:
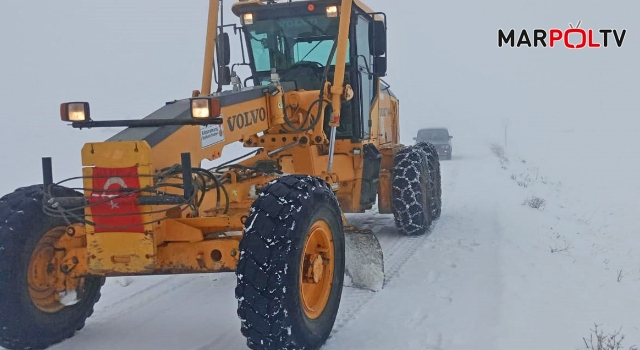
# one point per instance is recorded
(128, 58)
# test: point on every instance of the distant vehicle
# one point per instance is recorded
(439, 137)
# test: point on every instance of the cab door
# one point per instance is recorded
(365, 90)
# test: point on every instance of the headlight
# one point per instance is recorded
(332, 11)
(75, 112)
(248, 18)
(204, 107)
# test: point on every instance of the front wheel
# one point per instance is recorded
(291, 267)
(39, 305)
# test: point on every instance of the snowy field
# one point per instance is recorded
(537, 242)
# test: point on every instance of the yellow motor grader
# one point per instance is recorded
(322, 129)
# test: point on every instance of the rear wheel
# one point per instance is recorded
(412, 192)
(434, 168)
(39, 305)
(291, 267)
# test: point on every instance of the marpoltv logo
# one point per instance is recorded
(571, 38)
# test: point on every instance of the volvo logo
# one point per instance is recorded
(242, 120)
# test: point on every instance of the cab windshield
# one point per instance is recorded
(289, 43)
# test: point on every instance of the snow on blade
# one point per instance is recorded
(364, 265)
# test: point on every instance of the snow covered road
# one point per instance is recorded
(492, 274)
(445, 292)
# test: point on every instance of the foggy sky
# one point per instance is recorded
(129, 57)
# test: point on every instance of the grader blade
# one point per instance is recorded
(364, 263)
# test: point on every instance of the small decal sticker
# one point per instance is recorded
(211, 134)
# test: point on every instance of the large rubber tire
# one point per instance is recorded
(22, 324)
(412, 193)
(270, 300)
(434, 167)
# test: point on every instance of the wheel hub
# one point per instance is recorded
(49, 288)
(316, 269)
(313, 268)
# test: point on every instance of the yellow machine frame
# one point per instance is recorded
(207, 241)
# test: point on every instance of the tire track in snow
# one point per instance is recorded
(205, 299)
(455, 272)
(354, 299)
(143, 297)
(401, 250)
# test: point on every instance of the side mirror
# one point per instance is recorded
(377, 38)
(224, 75)
(380, 66)
(450, 137)
(222, 50)
(223, 55)
(415, 138)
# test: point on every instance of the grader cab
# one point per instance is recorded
(323, 131)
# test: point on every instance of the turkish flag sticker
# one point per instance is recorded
(115, 214)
